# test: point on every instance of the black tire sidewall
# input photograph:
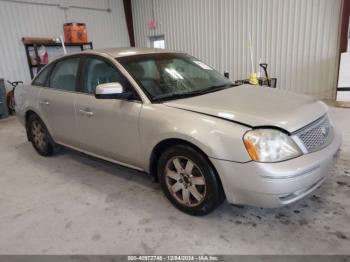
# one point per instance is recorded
(48, 149)
(214, 193)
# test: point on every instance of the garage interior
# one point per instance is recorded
(74, 204)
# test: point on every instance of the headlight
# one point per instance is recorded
(270, 145)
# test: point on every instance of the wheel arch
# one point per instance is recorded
(163, 145)
(27, 114)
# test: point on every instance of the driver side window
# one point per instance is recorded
(97, 71)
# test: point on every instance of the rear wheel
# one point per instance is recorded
(189, 181)
(39, 136)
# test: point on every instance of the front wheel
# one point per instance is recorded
(189, 181)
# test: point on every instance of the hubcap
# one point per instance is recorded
(185, 181)
(38, 134)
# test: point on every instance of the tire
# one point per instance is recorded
(39, 136)
(189, 181)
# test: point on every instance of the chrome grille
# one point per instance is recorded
(317, 135)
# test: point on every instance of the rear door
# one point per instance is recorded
(107, 127)
(57, 100)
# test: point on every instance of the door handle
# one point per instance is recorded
(89, 113)
(46, 103)
(86, 112)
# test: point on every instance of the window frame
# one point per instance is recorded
(125, 59)
(155, 38)
(81, 79)
(49, 67)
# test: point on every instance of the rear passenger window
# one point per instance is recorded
(41, 79)
(64, 75)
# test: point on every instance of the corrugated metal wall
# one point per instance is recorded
(299, 39)
(105, 29)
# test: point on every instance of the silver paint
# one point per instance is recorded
(126, 132)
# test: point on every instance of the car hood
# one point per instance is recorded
(256, 106)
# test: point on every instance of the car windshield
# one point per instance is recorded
(168, 76)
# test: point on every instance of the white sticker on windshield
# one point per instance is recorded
(202, 65)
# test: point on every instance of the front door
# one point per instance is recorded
(107, 127)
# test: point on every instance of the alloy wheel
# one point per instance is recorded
(38, 135)
(185, 181)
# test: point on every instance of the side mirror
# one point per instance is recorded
(112, 91)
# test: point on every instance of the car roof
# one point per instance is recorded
(128, 51)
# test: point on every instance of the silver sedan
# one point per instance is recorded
(172, 116)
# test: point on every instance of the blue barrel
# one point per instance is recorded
(3, 103)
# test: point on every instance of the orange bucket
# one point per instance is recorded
(75, 33)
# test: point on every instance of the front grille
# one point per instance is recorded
(317, 135)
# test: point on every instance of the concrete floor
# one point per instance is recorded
(75, 204)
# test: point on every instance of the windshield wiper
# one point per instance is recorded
(172, 97)
(193, 93)
(211, 89)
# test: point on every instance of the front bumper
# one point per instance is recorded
(276, 184)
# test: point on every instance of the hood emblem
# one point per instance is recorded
(324, 131)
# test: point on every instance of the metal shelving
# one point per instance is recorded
(35, 47)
